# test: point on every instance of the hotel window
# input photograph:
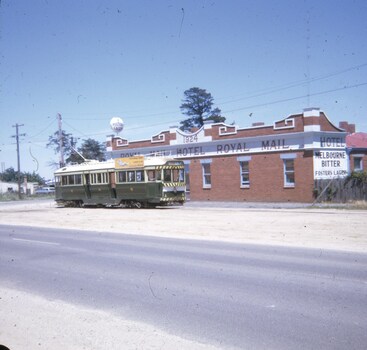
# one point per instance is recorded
(205, 166)
(245, 174)
(289, 180)
(357, 164)
(244, 171)
(288, 169)
(187, 175)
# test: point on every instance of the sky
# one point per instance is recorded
(91, 60)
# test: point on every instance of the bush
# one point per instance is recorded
(357, 179)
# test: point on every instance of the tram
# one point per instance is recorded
(122, 182)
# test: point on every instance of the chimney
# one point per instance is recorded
(349, 128)
(258, 124)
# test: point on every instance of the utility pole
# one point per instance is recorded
(62, 163)
(17, 135)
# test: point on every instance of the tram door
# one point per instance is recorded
(113, 184)
(87, 185)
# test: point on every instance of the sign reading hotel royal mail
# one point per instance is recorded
(214, 148)
(190, 148)
(331, 160)
(129, 162)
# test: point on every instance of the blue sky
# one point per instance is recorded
(91, 60)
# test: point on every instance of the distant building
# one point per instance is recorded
(357, 150)
(270, 163)
(25, 187)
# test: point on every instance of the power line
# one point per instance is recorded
(294, 84)
(258, 93)
(294, 98)
(43, 130)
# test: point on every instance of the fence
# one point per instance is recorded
(339, 191)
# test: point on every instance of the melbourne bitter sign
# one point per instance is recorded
(331, 160)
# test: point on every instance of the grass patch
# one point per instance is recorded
(351, 205)
(13, 196)
(9, 196)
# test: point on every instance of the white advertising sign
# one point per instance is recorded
(330, 164)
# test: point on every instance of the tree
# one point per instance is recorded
(33, 177)
(10, 175)
(198, 106)
(68, 144)
(92, 149)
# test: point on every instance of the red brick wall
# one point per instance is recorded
(266, 180)
(325, 124)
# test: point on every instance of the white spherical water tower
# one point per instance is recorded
(117, 124)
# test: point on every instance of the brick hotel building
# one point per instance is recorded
(270, 163)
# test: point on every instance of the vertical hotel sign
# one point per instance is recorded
(331, 160)
(129, 162)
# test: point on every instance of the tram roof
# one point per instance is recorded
(96, 165)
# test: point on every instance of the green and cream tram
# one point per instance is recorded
(126, 182)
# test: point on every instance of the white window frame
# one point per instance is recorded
(286, 158)
(205, 166)
(241, 160)
(98, 178)
(358, 158)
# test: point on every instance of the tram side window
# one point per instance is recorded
(99, 178)
(122, 176)
(131, 176)
(151, 175)
(139, 176)
(64, 180)
(71, 179)
(78, 179)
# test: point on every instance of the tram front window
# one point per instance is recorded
(167, 176)
(178, 175)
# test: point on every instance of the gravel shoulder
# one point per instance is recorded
(294, 225)
(29, 321)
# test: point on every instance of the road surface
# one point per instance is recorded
(221, 294)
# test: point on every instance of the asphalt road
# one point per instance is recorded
(229, 295)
